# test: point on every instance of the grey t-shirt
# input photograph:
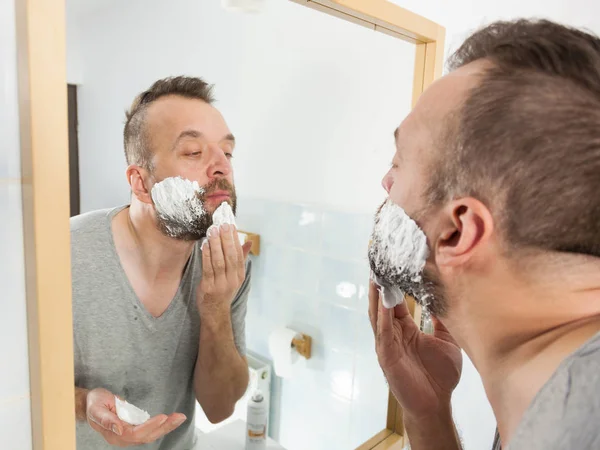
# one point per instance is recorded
(565, 413)
(121, 347)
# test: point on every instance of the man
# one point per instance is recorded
(158, 319)
(499, 166)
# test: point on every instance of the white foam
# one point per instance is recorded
(130, 413)
(178, 201)
(223, 214)
(402, 249)
(403, 243)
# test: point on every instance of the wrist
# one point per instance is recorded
(437, 424)
(214, 315)
(81, 403)
(440, 415)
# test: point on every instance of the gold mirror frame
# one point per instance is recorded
(41, 45)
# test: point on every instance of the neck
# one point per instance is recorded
(518, 336)
(158, 254)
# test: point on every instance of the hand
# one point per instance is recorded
(223, 268)
(422, 370)
(102, 417)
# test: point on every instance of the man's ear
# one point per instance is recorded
(467, 225)
(141, 183)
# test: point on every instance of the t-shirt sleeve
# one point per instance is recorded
(76, 359)
(239, 308)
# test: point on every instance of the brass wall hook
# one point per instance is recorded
(303, 345)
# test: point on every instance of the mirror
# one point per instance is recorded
(312, 101)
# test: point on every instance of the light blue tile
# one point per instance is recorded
(303, 227)
(340, 282)
(370, 385)
(303, 309)
(275, 263)
(346, 235)
(301, 273)
(275, 303)
(257, 335)
(369, 405)
(251, 215)
(13, 316)
(338, 327)
(275, 221)
(335, 411)
(337, 375)
(365, 338)
(15, 423)
(366, 420)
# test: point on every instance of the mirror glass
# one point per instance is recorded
(312, 101)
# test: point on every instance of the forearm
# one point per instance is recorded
(221, 375)
(435, 432)
(81, 404)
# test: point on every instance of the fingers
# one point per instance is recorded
(373, 305)
(216, 251)
(246, 250)
(401, 311)
(231, 251)
(207, 270)
(169, 425)
(106, 419)
(385, 330)
(142, 434)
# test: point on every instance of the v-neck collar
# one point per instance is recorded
(149, 320)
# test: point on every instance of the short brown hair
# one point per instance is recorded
(137, 147)
(526, 141)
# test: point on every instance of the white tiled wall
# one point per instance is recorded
(15, 414)
(312, 276)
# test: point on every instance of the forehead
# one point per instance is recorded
(170, 115)
(423, 126)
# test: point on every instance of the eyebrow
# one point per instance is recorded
(196, 134)
(396, 132)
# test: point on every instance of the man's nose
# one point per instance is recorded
(387, 182)
(219, 165)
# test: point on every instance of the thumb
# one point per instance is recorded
(106, 419)
(246, 249)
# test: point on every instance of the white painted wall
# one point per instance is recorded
(15, 412)
(460, 17)
(307, 96)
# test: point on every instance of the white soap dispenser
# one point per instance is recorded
(256, 422)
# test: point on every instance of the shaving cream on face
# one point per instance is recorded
(178, 204)
(130, 413)
(397, 255)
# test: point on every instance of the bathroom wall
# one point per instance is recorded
(272, 76)
(15, 412)
(312, 276)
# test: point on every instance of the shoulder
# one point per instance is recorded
(581, 379)
(90, 236)
(89, 222)
(566, 411)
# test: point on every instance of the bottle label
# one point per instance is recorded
(256, 432)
